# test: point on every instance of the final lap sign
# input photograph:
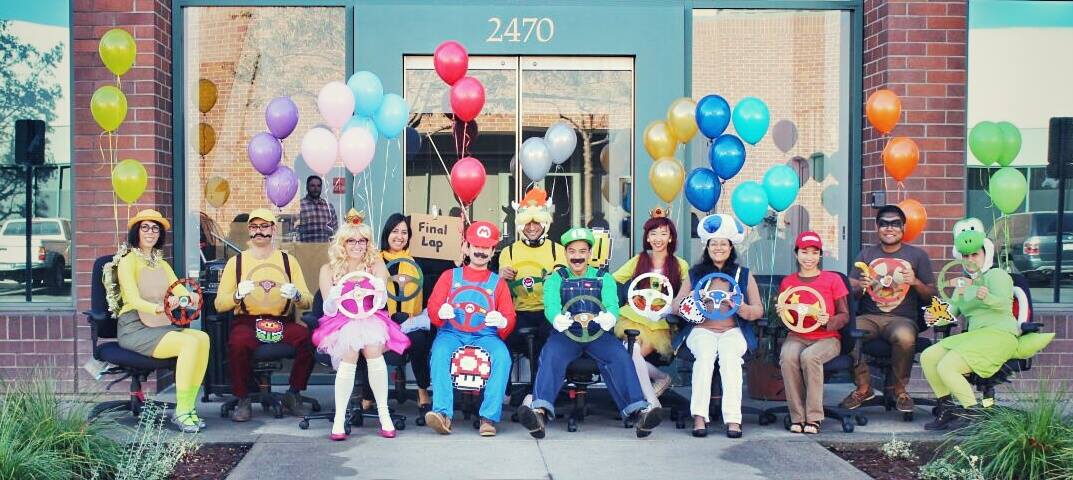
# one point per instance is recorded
(436, 237)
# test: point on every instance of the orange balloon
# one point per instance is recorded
(883, 108)
(900, 157)
(916, 218)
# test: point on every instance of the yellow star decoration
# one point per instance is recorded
(795, 298)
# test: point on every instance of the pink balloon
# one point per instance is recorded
(467, 179)
(451, 61)
(467, 98)
(320, 148)
(336, 104)
(357, 147)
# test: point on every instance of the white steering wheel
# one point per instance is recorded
(359, 294)
(643, 299)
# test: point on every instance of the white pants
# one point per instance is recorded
(728, 347)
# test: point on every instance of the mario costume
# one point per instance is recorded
(470, 306)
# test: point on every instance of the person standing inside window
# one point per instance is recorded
(316, 218)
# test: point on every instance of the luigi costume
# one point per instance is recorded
(583, 326)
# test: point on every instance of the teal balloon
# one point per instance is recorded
(392, 116)
(1008, 188)
(1011, 143)
(703, 189)
(750, 203)
(751, 119)
(368, 93)
(363, 122)
(986, 142)
(781, 184)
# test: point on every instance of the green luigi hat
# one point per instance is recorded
(578, 233)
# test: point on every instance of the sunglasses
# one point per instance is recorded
(147, 228)
(890, 223)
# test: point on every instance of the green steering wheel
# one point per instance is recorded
(969, 268)
(583, 319)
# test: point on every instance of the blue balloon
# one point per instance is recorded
(781, 184)
(727, 156)
(392, 116)
(362, 122)
(713, 115)
(702, 189)
(368, 93)
(750, 203)
(751, 119)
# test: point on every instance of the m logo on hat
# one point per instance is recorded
(484, 232)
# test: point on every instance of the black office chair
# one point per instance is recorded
(123, 362)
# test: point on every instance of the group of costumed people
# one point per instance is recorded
(572, 305)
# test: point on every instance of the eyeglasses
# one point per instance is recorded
(356, 241)
(148, 227)
(261, 226)
(897, 224)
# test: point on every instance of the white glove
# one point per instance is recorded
(336, 291)
(446, 311)
(561, 322)
(420, 322)
(244, 288)
(378, 284)
(495, 319)
(289, 291)
(606, 321)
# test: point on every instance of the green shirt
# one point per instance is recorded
(553, 304)
(996, 308)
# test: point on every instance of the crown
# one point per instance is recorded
(353, 217)
(659, 212)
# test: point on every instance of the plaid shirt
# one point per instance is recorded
(316, 220)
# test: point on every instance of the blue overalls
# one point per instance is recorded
(469, 329)
(562, 348)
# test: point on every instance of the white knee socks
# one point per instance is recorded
(641, 366)
(344, 386)
(378, 383)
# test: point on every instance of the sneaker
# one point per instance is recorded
(292, 403)
(964, 418)
(647, 420)
(532, 420)
(200, 422)
(942, 421)
(488, 429)
(243, 411)
(438, 422)
(855, 399)
(186, 423)
(661, 385)
(903, 402)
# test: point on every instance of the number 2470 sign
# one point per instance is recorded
(521, 30)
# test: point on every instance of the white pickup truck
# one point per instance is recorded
(50, 250)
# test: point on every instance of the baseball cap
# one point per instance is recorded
(264, 214)
(808, 239)
(482, 234)
(578, 234)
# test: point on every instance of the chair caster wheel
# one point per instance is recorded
(680, 423)
(907, 416)
(277, 411)
(571, 425)
(476, 424)
(304, 424)
(861, 420)
(400, 425)
(224, 411)
(786, 422)
(420, 421)
(627, 424)
(847, 426)
(767, 419)
(315, 406)
(347, 429)
(514, 417)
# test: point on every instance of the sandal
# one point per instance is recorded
(732, 433)
(796, 428)
(811, 428)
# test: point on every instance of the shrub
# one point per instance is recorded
(152, 455)
(897, 449)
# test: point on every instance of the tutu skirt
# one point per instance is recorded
(338, 334)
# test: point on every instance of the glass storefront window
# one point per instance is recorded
(35, 85)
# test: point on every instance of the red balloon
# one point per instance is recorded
(467, 179)
(467, 98)
(451, 61)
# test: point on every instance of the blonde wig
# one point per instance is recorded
(337, 255)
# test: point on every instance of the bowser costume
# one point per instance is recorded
(470, 306)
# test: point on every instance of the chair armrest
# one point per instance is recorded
(944, 330)
(857, 335)
(311, 320)
(631, 338)
(673, 319)
(527, 331)
(94, 316)
(397, 317)
(1031, 327)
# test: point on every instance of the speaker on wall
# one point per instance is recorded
(1060, 147)
(29, 142)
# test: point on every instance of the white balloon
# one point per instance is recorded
(561, 139)
(336, 104)
(320, 148)
(357, 148)
(536, 158)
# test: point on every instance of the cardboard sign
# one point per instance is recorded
(338, 185)
(436, 237)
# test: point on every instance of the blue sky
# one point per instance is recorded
(1019, 13)
(49, 12)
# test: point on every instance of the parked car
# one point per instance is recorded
(1033, 243)
(50, 248)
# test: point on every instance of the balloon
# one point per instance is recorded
(451, 61)
(750, 203)
(467, 98)
(281, 116)
(751, 119)
(129, 180)
(281, 186)
(781, 184)
(536, 158)
(356, 147)
(682, 119)
(986, 142)
(703, 189)
(916, 218)
(801, 167)
(785, 135)
(1008, 188)
(561, 139)
(368, 92)
(392, 116)
(713, 115)
(659, 142)
(363, 122)
(217, 191)
(726, 156)
(319, 149)
(335, 103)
(117, 50)
(883, 109)
(467, 179)
(667, 177)
(900, 157)
(265, 152)
(109, 107)
(206, 95)
(206, 138)
(1011, 143)
(465, 133)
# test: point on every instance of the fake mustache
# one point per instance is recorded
(260, 235)
(482, 256)
(577, 261)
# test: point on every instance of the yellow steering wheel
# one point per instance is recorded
(791, 299)
(265, 290)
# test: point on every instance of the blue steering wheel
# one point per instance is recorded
(717, 297)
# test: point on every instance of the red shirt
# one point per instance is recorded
(503, 302)
(830, 287)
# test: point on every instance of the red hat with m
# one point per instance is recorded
(482, 234)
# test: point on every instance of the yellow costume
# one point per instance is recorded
(655, 333)
(413, 306)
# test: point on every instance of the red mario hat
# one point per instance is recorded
(482, 234)
(808, 239)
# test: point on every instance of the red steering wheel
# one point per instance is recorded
(468, 308)
(186, 313)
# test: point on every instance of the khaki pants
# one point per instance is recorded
(802, 375)
(901, 333)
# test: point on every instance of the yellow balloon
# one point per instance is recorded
(682, 119)
(129, 180)
(667, 177)
(217, 191)
(117, 49)
(206, 138)
(659, 142)
(206, 95)
(109, 107)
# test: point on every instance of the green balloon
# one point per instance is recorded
(1011, 143)
(1008, 188)
(986, 142)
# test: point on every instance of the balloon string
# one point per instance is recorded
(465, 212)
(771, 272)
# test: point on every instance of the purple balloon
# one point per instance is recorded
(281, 117)
(265, 152)
(281, 186)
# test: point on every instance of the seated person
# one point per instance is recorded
(144, 277)
(561, 349)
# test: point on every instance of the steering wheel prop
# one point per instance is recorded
(644, 300)
(263, 288)
(187, 312)
(790, 298)
(584, 319)
(536, 273)
(702, 296)
(469, 309)
(968, 267)
(359, 294)
(402, 279)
